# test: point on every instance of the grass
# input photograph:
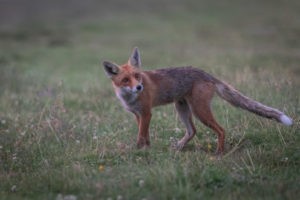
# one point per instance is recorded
(64, 134)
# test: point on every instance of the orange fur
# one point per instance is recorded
(191, 90)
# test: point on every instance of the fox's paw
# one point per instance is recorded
(143, 144)
(175, 144)
(219, 153)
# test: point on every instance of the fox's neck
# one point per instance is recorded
(129, 100)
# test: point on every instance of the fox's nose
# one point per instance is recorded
(139, 87)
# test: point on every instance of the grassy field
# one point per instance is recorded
(64, 134)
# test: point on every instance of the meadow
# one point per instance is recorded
(64, 134)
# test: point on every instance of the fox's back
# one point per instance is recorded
(176, 82)
(185, 74)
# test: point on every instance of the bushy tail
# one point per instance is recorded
(237, 99)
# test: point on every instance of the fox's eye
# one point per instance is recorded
(125, 80)
(137, 76)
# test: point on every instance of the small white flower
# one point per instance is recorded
(141, 183)
(78, 141)
(285, 159)
(119, 197)
(13, 188)
(70, 197)
(177, 130)
(59, 197)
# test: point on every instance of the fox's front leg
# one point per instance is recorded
(143, 121)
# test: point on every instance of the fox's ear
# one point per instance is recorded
(135, 58)
(111, 69)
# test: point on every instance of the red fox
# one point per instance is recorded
(191, 89)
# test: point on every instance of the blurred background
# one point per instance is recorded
(50, 41)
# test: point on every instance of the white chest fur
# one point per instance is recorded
(129, 99)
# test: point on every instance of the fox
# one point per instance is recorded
(189, 88)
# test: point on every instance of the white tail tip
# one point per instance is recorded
(286, 120)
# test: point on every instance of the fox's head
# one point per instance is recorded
(127, 78)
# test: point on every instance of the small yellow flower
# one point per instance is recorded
(209, 146)
(211, 158)
(101, 168)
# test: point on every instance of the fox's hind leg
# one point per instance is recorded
(200, 104)
(186, 117)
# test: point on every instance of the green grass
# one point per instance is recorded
(63, 132)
